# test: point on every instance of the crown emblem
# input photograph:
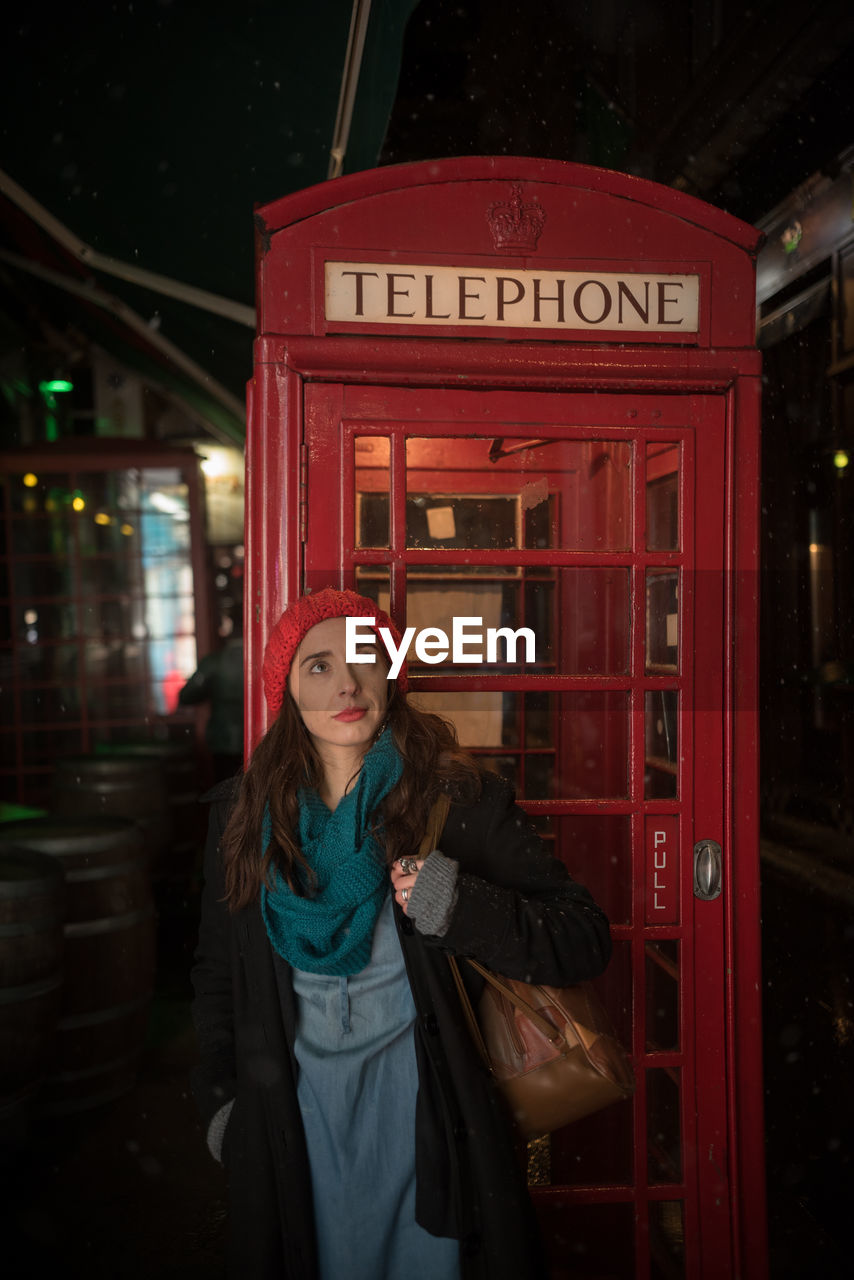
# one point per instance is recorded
(516, 226)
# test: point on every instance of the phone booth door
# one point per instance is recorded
(582, 518)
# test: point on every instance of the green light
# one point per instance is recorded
(55, 385)
(840, 459)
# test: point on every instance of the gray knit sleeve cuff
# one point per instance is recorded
(216, 1130)
(434, 895)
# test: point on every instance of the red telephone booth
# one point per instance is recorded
(525, 393)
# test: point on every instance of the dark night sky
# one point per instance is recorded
(152, 128)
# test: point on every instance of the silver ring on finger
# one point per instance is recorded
(409, 866)
(404, 894)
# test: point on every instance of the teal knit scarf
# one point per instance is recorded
(331, 932)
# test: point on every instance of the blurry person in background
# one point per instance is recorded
(219, 683)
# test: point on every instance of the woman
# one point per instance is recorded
(362, 1137)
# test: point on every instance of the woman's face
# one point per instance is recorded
(342, 705)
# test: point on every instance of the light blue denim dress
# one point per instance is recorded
(357, 1085)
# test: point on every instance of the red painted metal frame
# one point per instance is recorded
(391, 215)
(358, 414)
(439, 209)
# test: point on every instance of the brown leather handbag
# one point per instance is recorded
(550, 1050)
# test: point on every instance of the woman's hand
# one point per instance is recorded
(404, 873)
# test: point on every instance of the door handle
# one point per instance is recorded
(707, 870)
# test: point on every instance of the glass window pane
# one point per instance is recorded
(117, 701)
(163, 489)
(461, 520)
(565, 622)
(614, 989)
(48, 662)
(582, 738)
(47, 621)
(51, 492)
(539, 774)
(170, 616)
(662, 745)
(113, 658)
(170, 665)
(498, 637)
(112, 491)
(372, 520)
(662, 497)
(507, 767)
(595, 1151)
(588, 1241)
(666, 1240)
(123, 617)
(163, 535)
(110, 575)
(42, 534)
(592, 731)
(102, 532)
(372, 458)
(662, 996)
(49, 704)
(373, 581)
(664, 1146)
(42, 579)
(597, 851)
(43, 746)
(500, 492)
(662, 620)
(481, 718)
(592, 621)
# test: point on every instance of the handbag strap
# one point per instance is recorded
(436, 820)
(435, 825)
(471, 1019)
(542, 1023)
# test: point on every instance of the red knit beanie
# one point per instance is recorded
(299, 618)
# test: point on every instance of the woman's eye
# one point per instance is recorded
(319, 667)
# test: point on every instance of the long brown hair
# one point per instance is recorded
(285, 759)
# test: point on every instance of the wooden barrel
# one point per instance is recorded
(110, 954)
(187, 819)
(120, 785)
(32, 906)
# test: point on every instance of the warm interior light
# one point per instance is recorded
(168, 505)
(840, 459)
(218, 461)
(30, 480)
(78, 503)
(126, 529)
(102, 518)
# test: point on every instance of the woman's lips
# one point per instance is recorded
(351, 713)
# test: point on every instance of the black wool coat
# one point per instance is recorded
(518, 912)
